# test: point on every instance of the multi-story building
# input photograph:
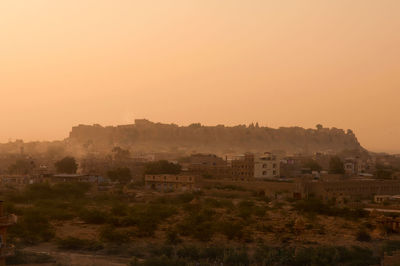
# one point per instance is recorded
(249, 166)
(357, 166)
(166, 182)
(243, 167)
(209, 164)
(353, 188)
(266, 166)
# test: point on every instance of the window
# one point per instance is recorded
(274, 165)
(264, 165)
(264, 172)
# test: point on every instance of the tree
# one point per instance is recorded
(383, 172)
(162, 167)
(67, 165)
(121, 175)
(22, 167)
(363, 236)
(319, 126)
(120, 154)
(336, 165)
(313, 165)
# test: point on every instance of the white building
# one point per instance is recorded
(266, 166)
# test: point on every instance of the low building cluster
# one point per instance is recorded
(348, 188)
(248, 166)
(166, 182)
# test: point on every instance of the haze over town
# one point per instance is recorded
(65, 63)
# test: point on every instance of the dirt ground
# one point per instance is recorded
(76, 258)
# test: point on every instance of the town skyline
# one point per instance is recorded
(132, 122)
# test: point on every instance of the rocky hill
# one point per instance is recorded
(148, 136)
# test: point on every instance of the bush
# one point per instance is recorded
(198, 224)
(321, 255)
(173, 237)
(72, 243)
(147, 217)
(229, 187)
(24, 257)
(213, 253)
(189, 252)
(231, 230)
(218, 203)
(363, 236)
(66, 165)
(162, 167)
(245, 209)
(120, 209)
(121, 175)
(184, 198)
(94, 216)
(315, 206)
(164, 261)
(237, 258)
(164, 250)
(44, 191)
(111, 234)
(32, 228)
(390, 246)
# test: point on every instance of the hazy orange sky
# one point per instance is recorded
(281, 63)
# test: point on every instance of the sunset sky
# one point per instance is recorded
(279, 63)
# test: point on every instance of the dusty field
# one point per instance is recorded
(75, 258)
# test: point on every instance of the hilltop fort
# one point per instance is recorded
(147, 135)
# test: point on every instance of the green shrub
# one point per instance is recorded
(24, 257)
(173, 237)
(159, 251)
(213, 253)
(164, 261)
(218, 203)
(231, 229)
(113, 235)
(72, 243)
(162, 167)
(189, 252)
(320, 255)
(229, 187)
(390, 246)
(239, 258)
(315, 206)
(43, 191)
(94, 216)
(363, 236)
(199, 224)
(119, 209)
(32, 228)
(148, 217)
